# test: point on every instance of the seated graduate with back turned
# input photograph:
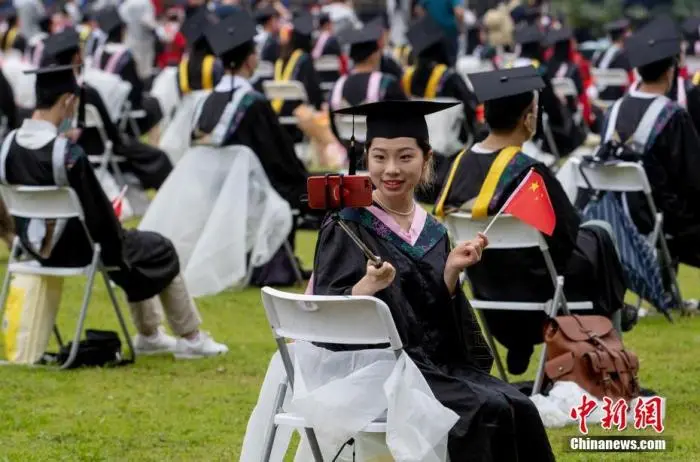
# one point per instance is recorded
(147, 264)
(419, 281)
(480, 181)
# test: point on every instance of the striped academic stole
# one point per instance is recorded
(284, 73)
(431, 89)
(507, 166)
(206, 74)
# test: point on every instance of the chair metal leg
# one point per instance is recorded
(118, 311)
(313, 444)
(83, 311)
(272, 430)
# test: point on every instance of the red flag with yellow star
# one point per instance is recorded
(530, 203)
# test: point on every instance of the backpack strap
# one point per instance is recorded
(488, 188)
(4, 151)
(373, 87)
(644, 130)
(436, 76)
(337, 95)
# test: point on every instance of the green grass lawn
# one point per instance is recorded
(165, 410)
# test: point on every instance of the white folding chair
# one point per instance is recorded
(630, 177)
(549, 135)
(326, 319)
(265, 70)
(510, 233)
(328, 63)
(347, 125)
(291, 90)
(564, 87)
(56, 203)
(107, 158)
(605, 78)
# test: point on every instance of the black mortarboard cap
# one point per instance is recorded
(109, 19)
(526, 35)
(660, 39)
(62, 42)
(265, 13)
(562, 34)
(505, 82)
(397, 119)
(303, 23)
(196, 25)
(228, 35)
(691, 27)
(424, 33)
(323, 19)
(370, 33)
(617, 26)
(56, 79)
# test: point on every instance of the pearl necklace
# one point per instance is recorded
(403, 214)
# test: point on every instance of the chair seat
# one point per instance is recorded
(33, 267)
(98, 159)
(525, 306)
(289, 419)
(327, 86)
(137, 114)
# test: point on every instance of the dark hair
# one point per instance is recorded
(115, 36)
(653, 71)
(236, 58)
(531, 50)
(502, 114)
(296, 42)
(63, 58)
(47, 97)
(436, 53)
(562, 51)
(617, 34)
(361, 51)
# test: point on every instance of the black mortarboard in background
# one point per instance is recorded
(53, 81)
(58, 45)
(659, 39)
(424, 33)
(228, 36)
(45, 24)
(691, 28)
(563, 34)
(265, 13)
(397, 119)
(526, 35)
(617, 26)
(109, 19)
(505, 82)
(196, 25)
(303, 23)
(364, 41)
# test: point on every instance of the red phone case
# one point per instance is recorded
(356, 191)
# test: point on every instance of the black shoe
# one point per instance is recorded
(630, 316)
(518, 359)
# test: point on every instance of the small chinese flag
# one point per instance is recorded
(530, 203)
(118, 203)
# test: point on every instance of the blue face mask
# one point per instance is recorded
(66, 124)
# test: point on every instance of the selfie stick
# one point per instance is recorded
(376, 261)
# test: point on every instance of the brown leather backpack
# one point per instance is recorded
(587, 350)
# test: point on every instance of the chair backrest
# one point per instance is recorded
(291, 90)
(507, 232)
(564, 87)
(619, 177)
(327, 63)
(92, 117)
(41, 202)
(605, 78)
(344, 125)
(112, 89)
(265, 70)
(330, 319)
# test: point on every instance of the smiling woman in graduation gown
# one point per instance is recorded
(439, 331)
(481, 180)
(35, 155)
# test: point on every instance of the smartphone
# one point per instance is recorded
(325, 192)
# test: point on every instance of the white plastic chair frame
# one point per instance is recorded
(510, 233)
(607, 78)
(328, 319)
(54, 202)
(292, 90)
(107, 158)
(630, 177)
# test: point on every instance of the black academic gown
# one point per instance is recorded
(260, 130)
(440, 334)
(620, 61)
(672, 165)
(270, 50)
(148, 163)
(195, 79)
(305, 73)
(126, 69)
(331, 48)
(148, 261)
(389, 65)
(8, 108)
(586, 257)
(568, 133)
